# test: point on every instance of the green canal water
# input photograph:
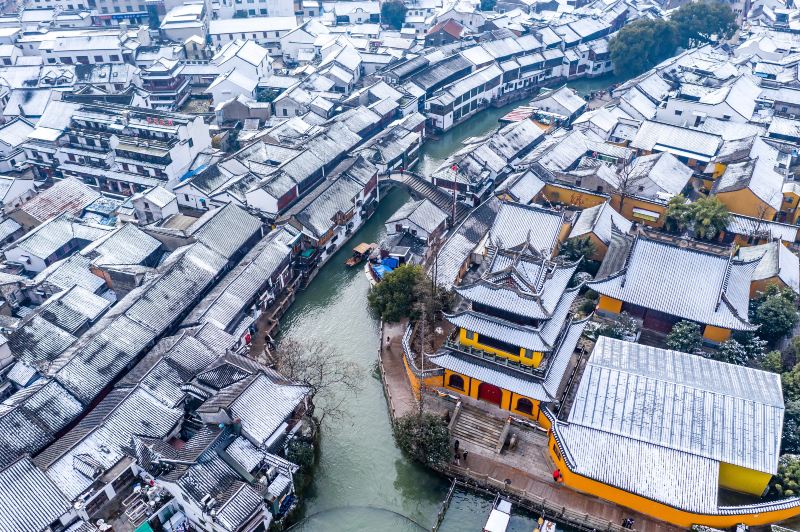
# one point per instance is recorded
(363, 483)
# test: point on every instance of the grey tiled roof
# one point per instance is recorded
(720, 411)
(30, 419)
(687, 283)
(29, 501)
(463, 240)
(226, 230)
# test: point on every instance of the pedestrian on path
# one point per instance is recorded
(455, 446)
(465, 457)
(557, 475)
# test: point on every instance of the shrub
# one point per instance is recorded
(423, 437)
(775, 312)
(684, 336)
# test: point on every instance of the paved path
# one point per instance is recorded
(396, 383)
(559, 494)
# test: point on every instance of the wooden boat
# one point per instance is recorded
(360, 252)
(499, 516)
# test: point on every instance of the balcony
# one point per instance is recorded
(176, 85)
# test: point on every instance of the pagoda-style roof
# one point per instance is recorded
(523, 282)
(542, 383)
(537, 338)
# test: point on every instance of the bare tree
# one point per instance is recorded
(317, 364)
(628, 184)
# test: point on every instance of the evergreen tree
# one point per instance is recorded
(393, 14)
(684, 336)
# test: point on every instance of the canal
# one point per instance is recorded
(362, 482)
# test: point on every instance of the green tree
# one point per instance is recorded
(791, 384)
(679, 214)
(423, 437)
(787, 482)
(773, 361)
(745, 350)
(394, 297)
(488, 5)
(684, 336)
(641, 45)
(576, 248)
(791, 428)
(301, 452)
(709, 216)
(697, 22)
(393, 14)
(775, 312)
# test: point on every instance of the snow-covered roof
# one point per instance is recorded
(647, 419)
(688, 283)
(599, 220)
(777, 260)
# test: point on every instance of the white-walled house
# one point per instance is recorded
(230, 85)
(13, 135)
(266, 31)
(246, 56)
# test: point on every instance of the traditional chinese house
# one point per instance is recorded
(515, 340)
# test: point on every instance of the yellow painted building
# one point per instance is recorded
(514, 343)
(790, 206)
(750, 187)
(662, 282)
(668, 458)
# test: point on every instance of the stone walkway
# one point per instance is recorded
(396, 384)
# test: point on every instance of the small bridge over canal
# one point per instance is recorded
(420, 188)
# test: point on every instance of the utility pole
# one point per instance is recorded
(454, 168)
(422, 362)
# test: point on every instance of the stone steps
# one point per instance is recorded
(478, 428)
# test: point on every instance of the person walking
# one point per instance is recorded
(557, 475)
(465, 457)
(455, 446)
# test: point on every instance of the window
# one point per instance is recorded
(525, 406)
(113, 57)
(186, 197)
(456, 381)
(678, 112)
(599, 188)
(726, 117)
(98, 59)
(469, 334)
(285, 112)
(191, 142)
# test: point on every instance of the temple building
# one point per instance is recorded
(663, 280)
(515, 339)
(668, 433)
